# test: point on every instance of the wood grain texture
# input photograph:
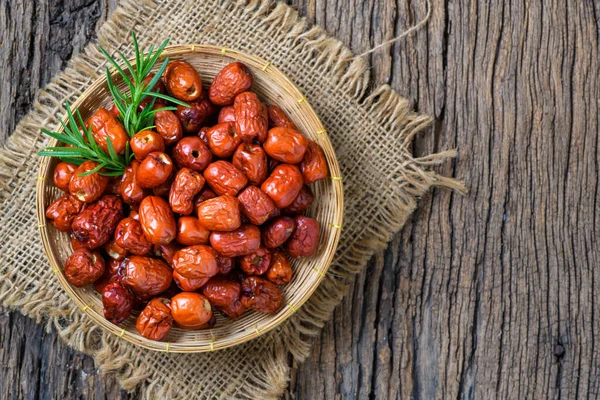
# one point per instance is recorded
(486, 296)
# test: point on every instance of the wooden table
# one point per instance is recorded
(489, 295)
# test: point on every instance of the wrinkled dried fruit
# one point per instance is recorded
(280, 270)
(87, 188)
(278, 231)
(157, 219)
(146, 142)
(251, 118)
(186, 186)
(256, 205)
(111, 270)
(257, 262)
(301, 202)
(115, 251)
(129, 235)
(221, 291)
(191, 310)
(195, 262)
(117, 301)
(63, 174)
(167, 251)
(225, 264)
(224, 178)
(105, 125)
(205, 194)
(129, 189)
(251, 159)
(232, 80)
(155, 320)
(278, 118)
(242, 241)
(167, 125)
(164, 189)
(304, 242)
(285, 145)
(145, 276)
(183, 81)
(95, 225)
(84, 267)
(194, 117)
(62, 212)
(227, 114)
(190, 152)
(283, 185)
(190, 231)
(223, 140)
(220, 214)
(154, 170)
(261, 295)
(314, 164)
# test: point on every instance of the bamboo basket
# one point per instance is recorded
(273, 87)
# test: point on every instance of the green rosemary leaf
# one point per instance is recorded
(111, 150)
(168, 98)
(127, 153)
(133, 73)
(91, 171)
(115, 173)
(56, 153)
(117, 67)
(148, 55)
(64, 138)
(136, 48)
(168, 108)
(152, 60)
(76, 161)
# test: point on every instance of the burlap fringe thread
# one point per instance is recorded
(384, 105)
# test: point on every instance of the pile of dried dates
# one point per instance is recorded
(205, 216)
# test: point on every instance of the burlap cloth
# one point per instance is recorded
(371, 133)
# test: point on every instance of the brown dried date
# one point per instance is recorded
(195, 262)
(157, 219)
(256, 205)
(188, 284)
(220, 214)
(304, 242)
(87, 188)
(202, 135)
(191, 310)
(182, 80)
(168, 126)
(76, 244)
(223, 140)
(233, 310)
(155, 320)
(191, 232)
(242, 241)
(314, 163)
(285, 145)
(185, 187)
(193, 117)
(257, 262)
(117, 302)
(278, 231)
(261, 295)
(301, 203)
(167, 251)
(145, 276)
(62, 212)
(115, 251)
(221, 291)
(111, 270)
(280, 270)
(105, 126)
(112, 187)
(146, 142)
(225, 264)
(205, 194)
(95, 225)
(279, 118)
(251, 159)
(190, 152)
(227, 114)
(84, 267)
(63, 174)
(283, 185)
(154, 170)
(164, 189)
(251, 118)
(224, 178)
(130, 236)
(129, 189)
(232, 80)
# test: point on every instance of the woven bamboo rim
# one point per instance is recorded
(273, 87)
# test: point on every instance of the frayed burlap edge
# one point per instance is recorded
(383, 105)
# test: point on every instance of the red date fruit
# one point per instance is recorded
(114, 110)
(168, 126)
(183, 81)
(157, 219)
(129, 189)
(256, 205)
(301, 203)
(222, 139)
(105, 125)
(145, 276)
(242, 241)
(233, 310)
(261, 295)
(76, 244)
(205, 194)
(278, 118)
(84, 267)
(62, 212)
(251, 159)
(193, 117)
(63, 174)
(221, 291)
(278, 231)
(304, 242)
(167, 251)
(154, 170)
(232, 80)
(227, 114)
(188, 284)
(251, 119)
(202, 135)
(115, 251)
(314, 164)
(87, 188)
(186, 186)
(190, 152)
(117, 302)
(220, 214)
(164, 189)
(224, 178)
(112, 187)
(130, 236)
(225, 264)
(159, 87)
(155, 320)
(280, 270)
(146, 142)
(283, 185)
(111, 271)
(195, 262)
(285, 145)
(191, 310)
(95, 225)
(190, 232)
(257, 262)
